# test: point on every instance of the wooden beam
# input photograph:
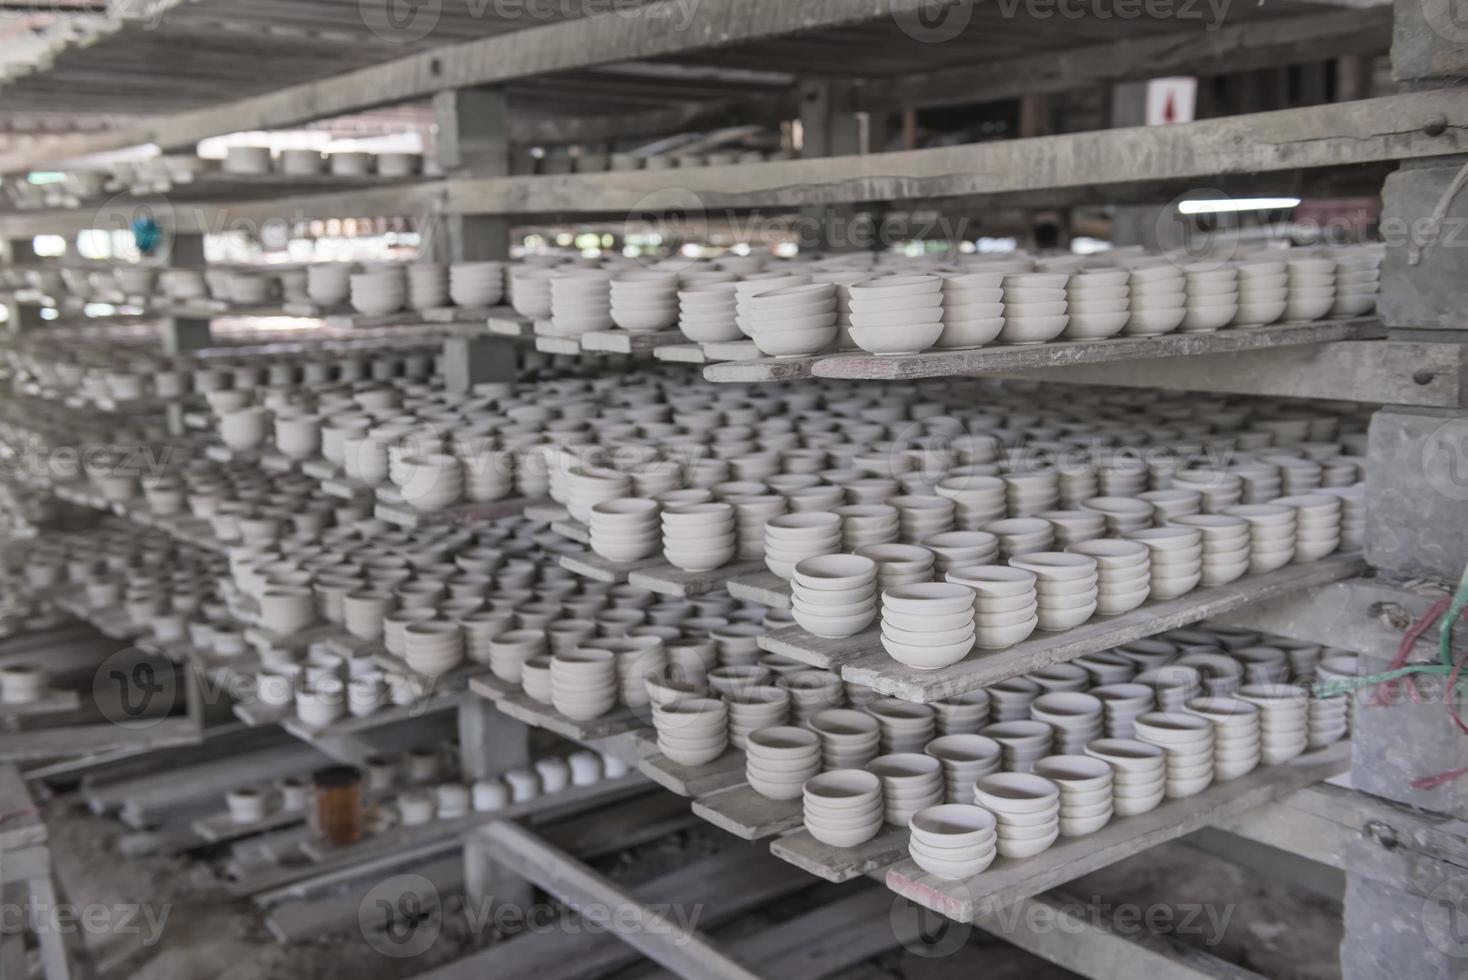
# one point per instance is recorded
(1385, 372)
(1233, 48)
(661, 28)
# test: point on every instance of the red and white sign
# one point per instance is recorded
(1171, 100)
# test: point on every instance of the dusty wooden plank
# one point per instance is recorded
(1377, 371)
(842, 863)
(665, 579)
(765, 588)
(745, 813)
(49, 703)
(626, 341)
(680, 353)
(593, 566)
(221, 826)
(505, 322)
(568, 527)
(514, 702)
(725, 771)
(52, 743)
(387, 715)
(1008, 881)
(992, 360)
(653, 933)
(741, 370)
(406, 517)
(557, 345)
(25, 827)
(862, 660)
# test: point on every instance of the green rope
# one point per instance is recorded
(1346, 685)
(1455, 609)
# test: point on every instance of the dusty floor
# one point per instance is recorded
(191, 929)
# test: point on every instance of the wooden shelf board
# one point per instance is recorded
(668, 580)
(1007, 881)
(861, 659)
(222, 827)
(593, 566)
(50, 702)
(503, 321)
(746, 814)
(1020, 357)
(627, 341)
(765, 588)
(406, 517)
(680, 353)
(842, 863)
(513, 701)
(569, 527)
(387, 715)
(725, 771)
(558, 345)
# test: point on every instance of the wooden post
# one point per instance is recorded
(829, 127)
(473, 140)
(21, 316)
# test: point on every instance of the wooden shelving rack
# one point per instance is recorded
(501, 86)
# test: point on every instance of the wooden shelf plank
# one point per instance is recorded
(387, 715)
(765, 588)
(725, 771)
(627, 341)
(512, 701)
(743, 812)
(593, 566)
(1056, 354)
(842, 863)
(1008, 881)
(406, 517)
(862, 660)
(668, 580)
(505, 322)
(569, 527)
(680, 353)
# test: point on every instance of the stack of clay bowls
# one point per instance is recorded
(791, 320)
(1026, 809)
(896, 314)
(287, 609)
(1024, 742)
(1236, 735)
(1317, 524)
(1172, 684)
(1177, 559)
(973, 310)
(252, 160)
(1031, 491)
(1065, 587)
(1139, 773)
(1212, 297)
(698, 537)
(433, 647)
(1263, 292)
(581, 301)
(645, 301)
(1357, 279)
(963, 713)
(911, 781)
(977, 500)
(843, 807)
(430, 482)
(1034, 307)
(1077, 719)
(1086, 785)
(751, 513)
(1159, 301)
(328, 284)
(792, 538)
(965, 759)
(1022, 535)
(953, 841)
(625, 529)
(959, 549)
(1283, 720)
(1271, 534)
(904, 726)
(379, 291)
(1226, 552)
(1098, 303)
(1006, 606)
(476, 285)
(929, 625)
(1353, 514)
(863, 525)
(1329, 720)
(1074, 527)
(812, 691)
(1124, 573)
(583, 683)
(1188, 741)
(1123, 514)
(899, 564)
(920, 518)
(834, 596)
(535, 678)
(778, 760)
(505, 650)
(1311, 292)
(754, 708)
(692, 731)
(706, 313)
(530, 290)
(428, 286)
(1122, 704)
(849, 738)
